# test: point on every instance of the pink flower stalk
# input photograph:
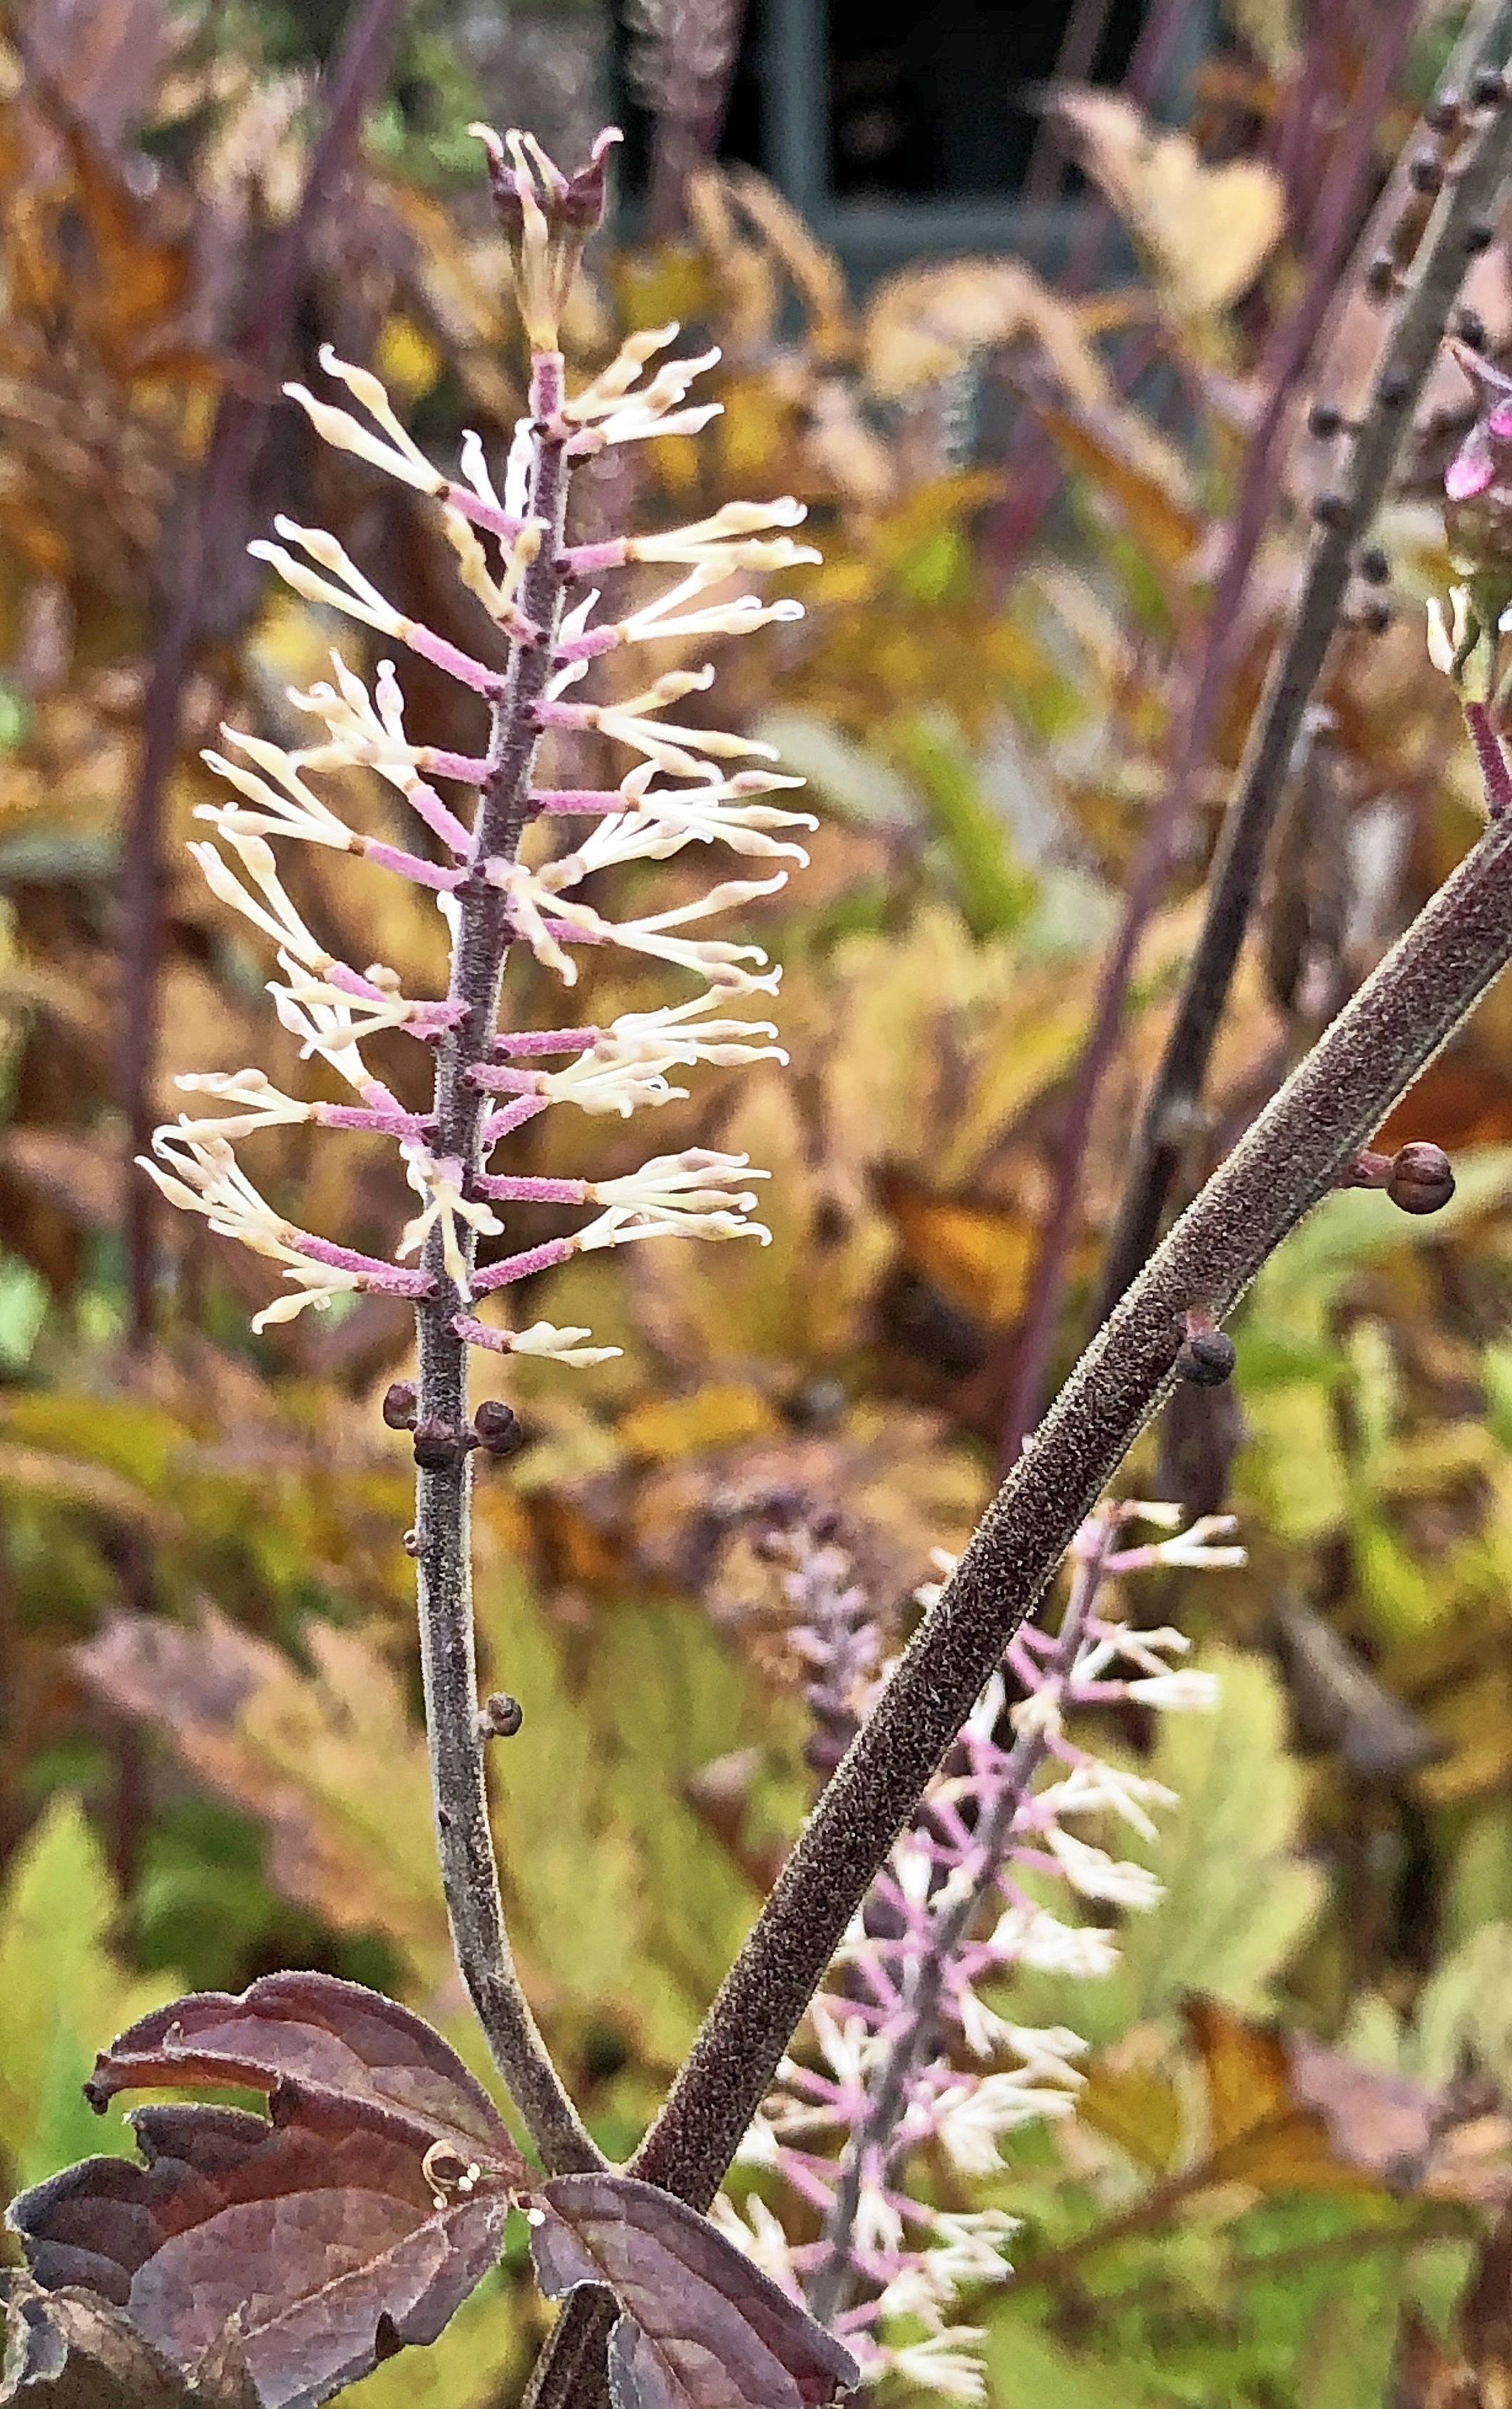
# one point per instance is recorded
(680, 789)
(910, 2044)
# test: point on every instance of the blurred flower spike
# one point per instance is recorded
(912, 2046)
(680, 789)
(1463, 633)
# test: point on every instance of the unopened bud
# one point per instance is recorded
(1206, 1354)
(500, 1716)
(1422, 1178)
(399, 1401)
(498, 1428)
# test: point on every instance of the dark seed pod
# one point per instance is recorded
(399, 1402)
(1443, 114)
(500, 1716)
(1471, 328)
(1374, 566)
(437, 1447)
(1331, 510)
(1421, 1179)
(1324, 421)
(1488, 87)
(1207, 1357)
(1395, 388)
(497, 1427)
(1479, 235)
(1380, 275)
(1425, 172)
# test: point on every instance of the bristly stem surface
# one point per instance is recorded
(1469, 194)
(470, 1871)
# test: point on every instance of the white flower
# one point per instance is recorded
(440, 1182)
(202, 1176)
(968, 2248)
(354, 595)
(972, 2115)
(1181, 1692)
(724, 542)
(761, 2240)
(1097, 1875)
(692, 1194)
(947, 2362)
(395, 452)
(1092, 1786)
(1032, 1937)
(565, 1346)
(295, 811)
(261, 1104)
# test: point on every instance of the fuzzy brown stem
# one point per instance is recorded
(1287, 1163)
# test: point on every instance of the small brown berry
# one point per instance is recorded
(500, 1716)
(497, 1427)
(1395, 388)
(1443, 114)
(1380, 275)
(1471, 328)
(411, 1543)
(1331, 510)
(1206, 1357)
(399, 1402)
(1422, 1181)
(1479, 235)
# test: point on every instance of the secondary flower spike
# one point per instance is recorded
(683, 789)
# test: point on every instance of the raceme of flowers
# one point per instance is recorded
(684, 787)
(909, 2044)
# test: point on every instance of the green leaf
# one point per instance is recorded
(62, 1994)
(997, 894)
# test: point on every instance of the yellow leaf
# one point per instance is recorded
(1207, 231)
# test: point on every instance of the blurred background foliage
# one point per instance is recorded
(211, 1756)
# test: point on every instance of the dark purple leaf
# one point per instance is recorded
(702, 2329)
(330, 2037)
(357, 2216)
(68, 2350)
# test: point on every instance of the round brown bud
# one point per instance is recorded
(500, 1716)
(1471, 328)
(1375, 618)
(1443, 114)
(399, 1401)
(499, 1428)
(437, 1447)
(1331, 510)
(1206, 1357)
(1380, 275)
(1425, 172)
(1479, 235)
(1374, 566)
(1395, 388)
(1324, 421)
(1421, 1179)
(1488, 87)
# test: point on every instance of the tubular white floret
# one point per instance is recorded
(261, 1105)
(201, 1174)
(289, 809)
(354, 595)
(692, 1194)
(395, 451)
(439, 1183)
(564, 1346)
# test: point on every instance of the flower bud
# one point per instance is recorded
(1206, 1355)
(500, 1716)
(437, 1447)
(399, 1406)
(498, 1428)
(1421, 1179)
